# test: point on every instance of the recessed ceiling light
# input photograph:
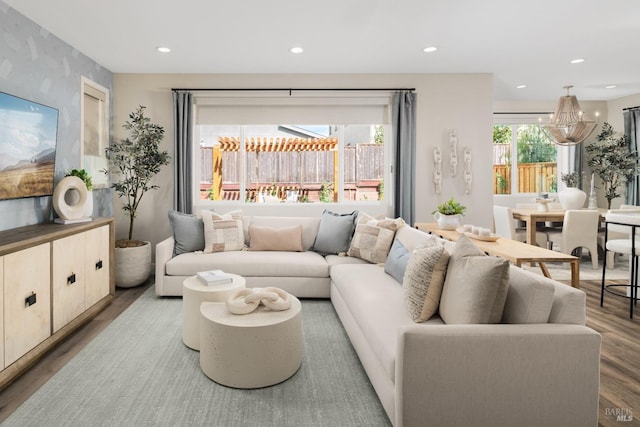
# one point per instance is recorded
(521, 86)
(610, 87)
(576, 61)
(296, 49)
(163, 49)
(430, 49)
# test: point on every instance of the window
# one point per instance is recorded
(292, 147)
(292, 163)
(94, 131)
(525, 160)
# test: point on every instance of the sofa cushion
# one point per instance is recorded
(335, 232)
(412, 238)
(476, 285)
(275, 239)
(375, 300)
(569, 305)
(373, 238)
(222, 234)
(397, 260)
(423, 281)
(309, 226)
(251, 264)
(188, 232)
(529, 298)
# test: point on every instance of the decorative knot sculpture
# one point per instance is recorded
(247, 300)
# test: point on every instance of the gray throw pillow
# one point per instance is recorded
(397, 260)
(476, 286)
(335, 232)
(188, 232)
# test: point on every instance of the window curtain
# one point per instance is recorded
(631, 119)
(404, 140)
(183, 135)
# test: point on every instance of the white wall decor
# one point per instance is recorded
(453, 154)
(437, 170)
(468, 177)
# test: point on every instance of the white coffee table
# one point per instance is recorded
(252, 350)
(194, 292)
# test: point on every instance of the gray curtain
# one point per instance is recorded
(404, 140)
(631, 120)
(183, 135)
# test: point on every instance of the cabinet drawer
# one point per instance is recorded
(27, 300)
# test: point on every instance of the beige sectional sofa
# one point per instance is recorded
(539, 366)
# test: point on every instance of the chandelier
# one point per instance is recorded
(568, 125)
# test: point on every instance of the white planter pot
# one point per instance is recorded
(133, 265)
(572, 198)
(448, 222)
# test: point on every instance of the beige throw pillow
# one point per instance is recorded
(476, 285)
(423, 281)
(222, 234)
(373, 238)
(275, 239)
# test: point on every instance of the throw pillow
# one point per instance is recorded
(476, 285)
(275, 239)
(188, 232)
(397, 260)
(334, 233)
(373, 238)
(423, 280)
(223, 234)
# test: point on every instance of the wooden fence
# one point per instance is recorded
(305, 170)
(532, 178)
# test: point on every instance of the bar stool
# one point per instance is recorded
(624, 246)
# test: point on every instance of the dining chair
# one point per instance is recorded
(630, 245)
(579, 230)
(504, 226)
(616, 232)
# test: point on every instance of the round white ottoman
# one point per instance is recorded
(194, 292)
(252, 350)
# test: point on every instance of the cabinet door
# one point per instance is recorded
(97, 265)
(2, 365)
(68, 279)
(27, 300)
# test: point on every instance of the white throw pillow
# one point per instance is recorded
(222, 234)
(476, 286)
(423, 281)
(373, 238)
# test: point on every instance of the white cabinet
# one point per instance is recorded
(97, 265)
(27, 300)
(69, 279)
(53, 279)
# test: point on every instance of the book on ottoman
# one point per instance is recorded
(214, 277)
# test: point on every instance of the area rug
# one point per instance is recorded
(138, 372)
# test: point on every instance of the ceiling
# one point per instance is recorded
(521, 45)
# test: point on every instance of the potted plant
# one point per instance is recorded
(86, 178)
(612, 160)
(449, 214)
(132, 163)
(571, 197)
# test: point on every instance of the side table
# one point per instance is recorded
(194, 293)
(252, 350)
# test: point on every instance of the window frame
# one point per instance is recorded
(565, 155)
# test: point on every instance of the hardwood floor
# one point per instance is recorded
(619, 366)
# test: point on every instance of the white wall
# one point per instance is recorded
(445, 101)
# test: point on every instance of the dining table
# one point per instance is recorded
(531, 217)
